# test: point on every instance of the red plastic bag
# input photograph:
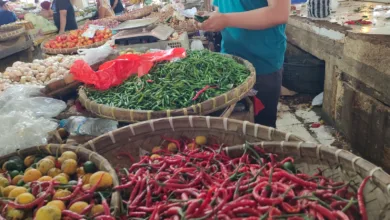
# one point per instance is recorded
(115, 72)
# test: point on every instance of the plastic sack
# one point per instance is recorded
(24, 99)
(114, 72)
(20, 130)
(197, 45)
(95, 55)
(318, 100)
(26, 118)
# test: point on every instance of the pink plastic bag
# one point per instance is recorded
(115, 72)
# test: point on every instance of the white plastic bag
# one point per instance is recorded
(20, 130)
(197, 45)
(96, 55)
(318, 100)
(26, 118)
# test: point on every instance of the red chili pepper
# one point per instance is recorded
(74, 193)
(87, 209)
(71, 214)
(37, 201)
(176, 142)
(295, 179)
(126, 154)
(105, 205)
(360, 195)
(149, 81)
(104, 217)
(202, 91)
(323, 211)
(137, 214)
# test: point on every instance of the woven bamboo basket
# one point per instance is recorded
(72, 50)
(83, 154)
(11, 32)
(10, 27)
(136, 14)
(143, 136)
(204, 108)
(337, 164)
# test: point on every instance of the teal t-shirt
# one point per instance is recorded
(263, 48)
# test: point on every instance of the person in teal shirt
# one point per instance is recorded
(255, 31)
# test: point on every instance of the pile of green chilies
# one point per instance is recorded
(175, 85)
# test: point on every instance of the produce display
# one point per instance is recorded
(39, 72)
(75, 39)
(46, 187)
(173, 85)
(174, 19)
(195, 179)
(40, 23)
(105, 22)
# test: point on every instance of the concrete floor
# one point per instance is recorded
(298, 119)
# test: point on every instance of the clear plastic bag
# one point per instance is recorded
(26, 118)
(20, 130)
(26, 99)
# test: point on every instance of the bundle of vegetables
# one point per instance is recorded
(194, 179)
(45, 187)
(105, 22)
(172, 85)
(39, 72)
(175, 20)
(40, 23)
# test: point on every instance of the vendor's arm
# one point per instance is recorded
(63, 14)
(102, 12)
(115, 4)
(277, 12)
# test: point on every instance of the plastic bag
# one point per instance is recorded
(114, 72)
(20, 130)
(318, 100)
(26, 118)
(24, 99)
(96, 55)
(197, 45)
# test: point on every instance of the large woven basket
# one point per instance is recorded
(204, 108)
(136, 138)
(136, 14)
(72, 50)
(339, 165)
(10, 27)
(143, 136)
(11, 32)
(82, 153)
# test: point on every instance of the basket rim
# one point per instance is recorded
(12, 34)
(210, 123)
(67, 50)
(219, 102)
(55, 149)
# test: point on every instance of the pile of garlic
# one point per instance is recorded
(39, 72)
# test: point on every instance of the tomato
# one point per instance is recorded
(64, 37)
(58, 39)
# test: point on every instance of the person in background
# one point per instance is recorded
(6, 16)
(255, 31)
(46, 12)
(117, 6)
(104, 9)
(64, 16)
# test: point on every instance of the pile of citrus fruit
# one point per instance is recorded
(50, 188)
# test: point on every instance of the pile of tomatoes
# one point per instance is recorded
(75, 39)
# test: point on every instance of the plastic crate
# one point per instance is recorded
(183, 42)
(304, 74)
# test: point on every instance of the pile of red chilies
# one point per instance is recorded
(206, 184)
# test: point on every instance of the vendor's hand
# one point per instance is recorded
(61, 32)
(215, 23)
